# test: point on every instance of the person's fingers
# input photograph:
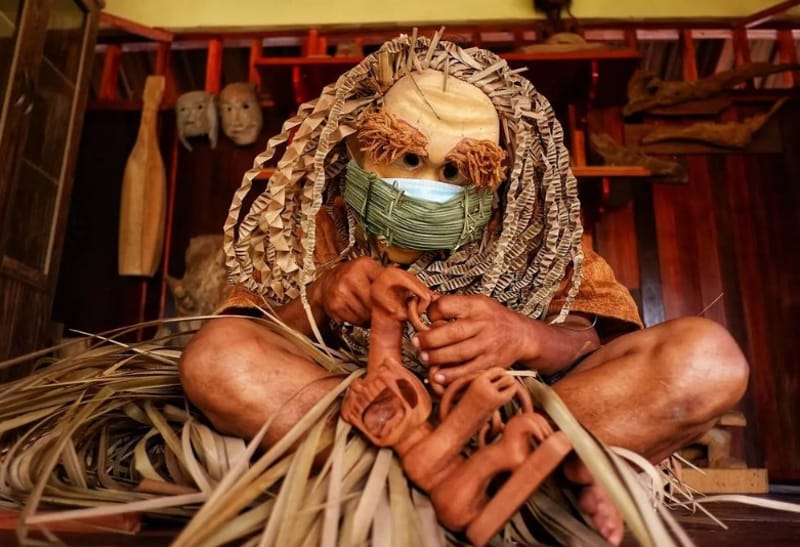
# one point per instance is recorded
(446, 375)
(454, 307)
(452, 354)
(445, 334)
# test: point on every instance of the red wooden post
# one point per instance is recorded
(689, 56)
(164, 68)
(108, 80)
(256, 52)
(173, 177)
(741, 50)
(311, 42)
(788, 54)
(214, 66)
(631, 40)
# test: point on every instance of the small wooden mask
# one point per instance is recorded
(196, 115)
(240, 112)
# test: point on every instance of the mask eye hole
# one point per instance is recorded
(450, 172)
(411, 160)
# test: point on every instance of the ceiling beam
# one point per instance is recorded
(767, 14)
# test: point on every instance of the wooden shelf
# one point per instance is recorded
(610, 171)
(596, 76)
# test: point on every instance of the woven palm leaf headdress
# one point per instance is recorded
(270, 244)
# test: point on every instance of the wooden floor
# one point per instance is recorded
(747, 526)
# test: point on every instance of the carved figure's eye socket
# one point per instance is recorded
(245, 105)
(200, 107)
(411, 160)
(450, 172)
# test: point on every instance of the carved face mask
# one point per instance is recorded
(240, 112)
(430, 128)
(196, 116)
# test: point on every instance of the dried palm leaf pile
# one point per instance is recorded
(108, 431)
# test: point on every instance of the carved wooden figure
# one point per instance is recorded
(391, 407)
(144, 192)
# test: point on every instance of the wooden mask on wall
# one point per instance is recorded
(196, 115)
(240, 112)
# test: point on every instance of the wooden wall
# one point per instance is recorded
(91, 296)
(732, 230)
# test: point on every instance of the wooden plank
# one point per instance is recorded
(647, 246)
(676, 256)
(699, 200)
(726, 481)
(137, 29)
(615, 233)
(740, 200)
(600, 171)
(725, 222)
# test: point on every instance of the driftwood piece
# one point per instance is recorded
(391, 407)
(562, 41)
(144, 192)
(710, 107)
(647, 91)
(727, 135)
(614, 153)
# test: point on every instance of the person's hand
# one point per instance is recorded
(343, 293)
(471, 333)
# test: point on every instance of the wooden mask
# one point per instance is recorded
(196, 115)
(240, 112)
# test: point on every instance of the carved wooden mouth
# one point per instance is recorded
(389, 408)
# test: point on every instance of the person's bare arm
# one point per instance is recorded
(474, 332)
(340, 294)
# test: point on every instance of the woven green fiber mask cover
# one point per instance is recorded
(407, 222)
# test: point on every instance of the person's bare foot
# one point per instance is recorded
(595, 502)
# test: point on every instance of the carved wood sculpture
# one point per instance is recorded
(646, 91)
(727, 135)
(391, 407)
(618, 154)
(144, 192)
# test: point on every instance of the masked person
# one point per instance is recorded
(444, 162)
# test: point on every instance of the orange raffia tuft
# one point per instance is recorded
(482, 162)
(386, 138)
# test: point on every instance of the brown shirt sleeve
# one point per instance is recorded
(600, 294)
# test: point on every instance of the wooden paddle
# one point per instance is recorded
(144, 193)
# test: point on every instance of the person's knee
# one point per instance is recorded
(209, 361)
(704, 366)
